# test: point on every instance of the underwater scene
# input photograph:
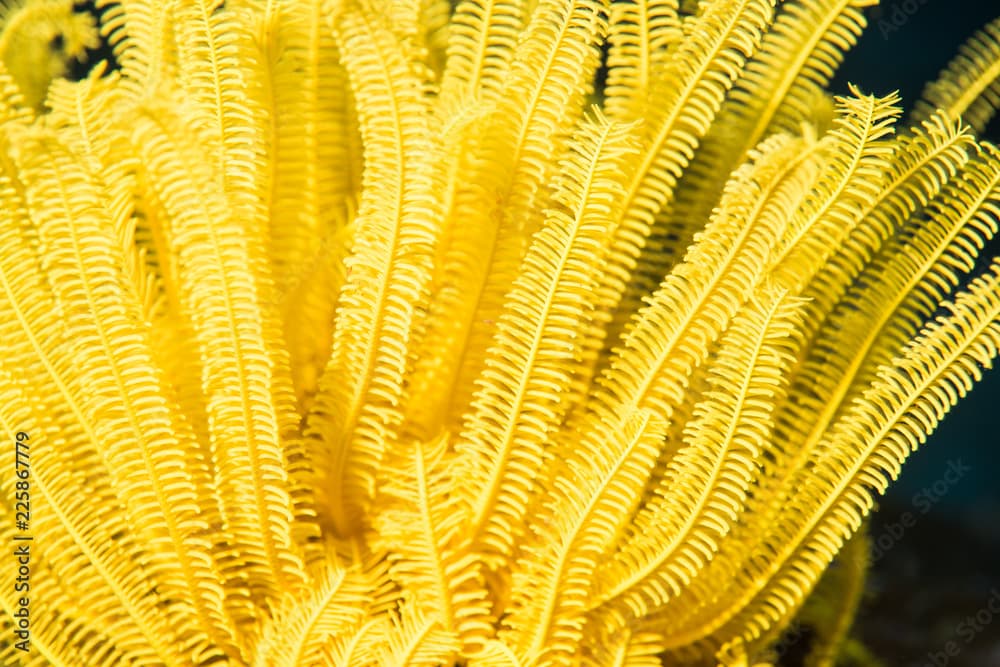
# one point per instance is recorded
(499, 333)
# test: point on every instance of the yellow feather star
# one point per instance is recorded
(355, 333)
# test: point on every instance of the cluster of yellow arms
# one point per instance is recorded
(373, 332)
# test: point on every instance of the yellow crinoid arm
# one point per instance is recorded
(518, 404)
(242, 367)
(779, 90)
(140, 34)
(481, 44)
(706, 483)
(421, 522)
(524, 137)
(682, 101)
(969, 87)
(356, 415)
(640, 37)
(98, 497)
(862, 453)
(37, 42)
